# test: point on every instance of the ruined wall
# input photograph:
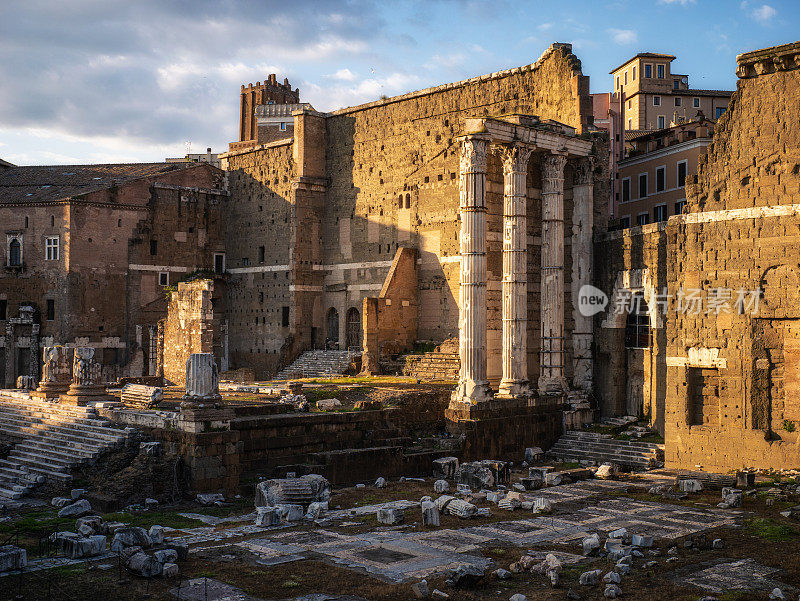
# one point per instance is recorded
(390, 319)
(631, 381)
(260, 217)
(191, 326)
(732, 373)
(386, 177)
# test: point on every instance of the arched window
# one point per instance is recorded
(15, 253)
(637, 325)
(332, 339)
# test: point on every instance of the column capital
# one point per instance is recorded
(553, 165)
(474, 151)
(583, 169)
(515, 157)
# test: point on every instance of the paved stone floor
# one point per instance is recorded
(397, 556)
(209, 589)
(741, 575)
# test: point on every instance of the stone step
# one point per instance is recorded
(608, 444)
(7, 493)
(45, 471)
(106, 434)
(25, 457)
(49, 448)
(48, 416)
(603, 449)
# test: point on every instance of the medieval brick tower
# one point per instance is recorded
(268, 93)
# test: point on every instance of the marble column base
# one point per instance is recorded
(514, 389)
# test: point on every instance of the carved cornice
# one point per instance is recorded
(768, 60)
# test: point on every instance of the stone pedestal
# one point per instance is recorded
(515, 272)
(86, 386)
(551, 374)
(473, 386)
(56, 372)
(202, 380)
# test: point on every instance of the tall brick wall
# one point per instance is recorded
(381, 176)
(743, 232)
(726, 376)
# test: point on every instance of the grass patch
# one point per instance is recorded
(769, 529)
(150, 518)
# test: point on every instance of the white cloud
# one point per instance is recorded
(764, 13)
(623, 36)
(544, 26)
(344, 75)
(448, 61)
(681, 2)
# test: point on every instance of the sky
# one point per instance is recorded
(108, 81)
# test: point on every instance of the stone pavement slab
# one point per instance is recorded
(743, 574)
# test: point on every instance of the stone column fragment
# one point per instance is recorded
(473, 386)
(582, 225)
(86, 378)
(202, 378)
(551, 374)
(515, 271)
(56, 372)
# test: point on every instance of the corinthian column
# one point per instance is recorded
(551, 374)
(582, 222)
(472, 384)
(515, 271)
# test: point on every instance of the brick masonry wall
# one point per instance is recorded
(391, 170)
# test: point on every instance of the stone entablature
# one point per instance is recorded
(768, 60)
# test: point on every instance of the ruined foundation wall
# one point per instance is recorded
(631, 381)
(733, 377)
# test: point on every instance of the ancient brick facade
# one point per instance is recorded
(725, 374)
(357, 184)
(124, 233)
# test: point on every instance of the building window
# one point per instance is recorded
(676, 84)
(681, 174)
(618, 83)
(660, 71)
(3, 309)
(51, 309)
(634, 74)
(51, 248)
(262, 251)
(648, 71)
(661, 122)
(643, 219)
(679, 207)
(163, 278)
(656, 100)
(630, 124)
(661, 178)
(626, 189)
(284, 317)
(153, 247)
(629, 104)
(637, 324)
(245, 261)
(15, 250)
(677, 100)
(720, 111)
(659, 213)
(626, 78)
(283, 127)
(642, 185)
(219, 263)
(696, 103)
(625, 222)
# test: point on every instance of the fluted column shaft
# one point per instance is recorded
(582, 224)
(551, 375)
(473, 385)
(515, 271)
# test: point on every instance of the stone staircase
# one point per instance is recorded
(578, 446)
(317, 364)
(432, 366)
(50, 440)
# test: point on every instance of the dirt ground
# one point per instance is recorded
(762, 534)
